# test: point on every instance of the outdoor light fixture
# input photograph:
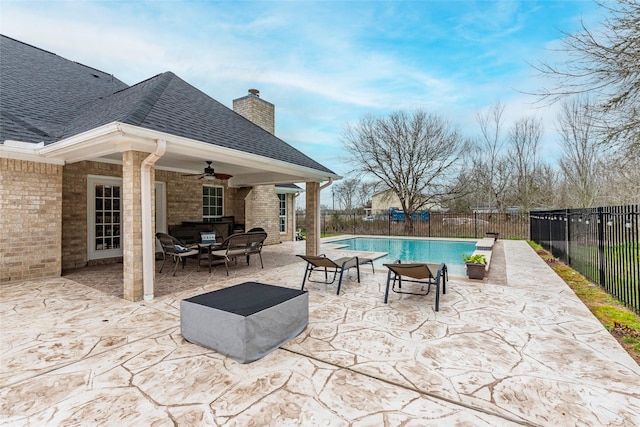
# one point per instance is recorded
(587, 221)
(610, 222)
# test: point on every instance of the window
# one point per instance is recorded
(212, 206)
(104, 216)
(107, 217)
(283, 212)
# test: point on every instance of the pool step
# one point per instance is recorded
(485, 244)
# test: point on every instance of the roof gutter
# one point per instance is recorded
(148, 241)
(326, 184)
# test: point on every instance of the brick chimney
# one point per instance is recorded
(256, 109)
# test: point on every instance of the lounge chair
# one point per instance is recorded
(177, 250)
(422, 273)
(322, 262)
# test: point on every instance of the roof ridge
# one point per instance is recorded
(145, 105)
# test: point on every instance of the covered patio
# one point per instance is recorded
(518, 348)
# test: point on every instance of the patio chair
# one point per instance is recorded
(421, 273)
(255, 241)
(322, 262)
(240, 244)
(177, 250)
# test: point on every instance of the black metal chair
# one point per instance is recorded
(177, 250)
(240, 244)
(422, 273)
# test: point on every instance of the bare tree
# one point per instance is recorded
(492, 169)
(547, 183)
(524, 152)
(620, 180)
(605, 65)
(413, 154)
(364, 192)
(581, 162)
(346, 193)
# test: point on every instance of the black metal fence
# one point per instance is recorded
(601, 243)
(472, 225)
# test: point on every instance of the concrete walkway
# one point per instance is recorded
(518, 348)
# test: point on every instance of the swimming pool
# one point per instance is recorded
(413, 250)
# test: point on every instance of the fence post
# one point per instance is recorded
(601, 248)
(475, 224)
(567, 237)
(354, 223)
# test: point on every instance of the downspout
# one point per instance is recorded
(148, 241)
(318, 233)
(295, 229)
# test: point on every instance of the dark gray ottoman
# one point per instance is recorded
(245, 321)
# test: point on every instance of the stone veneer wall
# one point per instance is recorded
(264, 206)
(30, 220)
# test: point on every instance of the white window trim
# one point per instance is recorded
(286, 212)
(161, 215)
(202, 206)
(92, 180)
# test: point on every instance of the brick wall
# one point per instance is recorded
(74, 209)
(264, 207)
(30, 220)
(184, 198)
(257, 110)
(312, 226)
(290, 233)
(131, 223)
(51, 201)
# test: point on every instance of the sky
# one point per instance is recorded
(323, 64)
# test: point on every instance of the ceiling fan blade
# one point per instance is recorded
(209, 172)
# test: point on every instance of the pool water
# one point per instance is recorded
(413, 250)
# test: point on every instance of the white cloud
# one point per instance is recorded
(323, 64)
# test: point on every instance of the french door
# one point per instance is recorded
(104, 216)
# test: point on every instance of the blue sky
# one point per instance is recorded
(323, 64)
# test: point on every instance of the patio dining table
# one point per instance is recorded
(210, 247)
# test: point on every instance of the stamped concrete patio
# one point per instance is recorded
(518, 348)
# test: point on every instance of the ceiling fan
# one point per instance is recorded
(209, 173)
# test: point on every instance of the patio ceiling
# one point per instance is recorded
(183, 155)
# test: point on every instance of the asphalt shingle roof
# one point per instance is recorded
(44, 97)
(40, 91)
